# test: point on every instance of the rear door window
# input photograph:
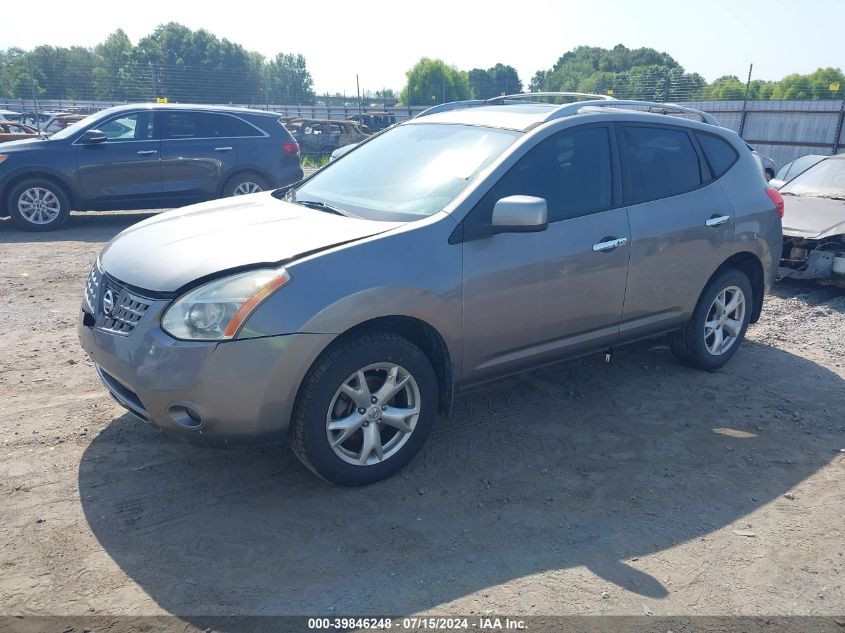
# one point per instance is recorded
(659, 162)
(188, 125)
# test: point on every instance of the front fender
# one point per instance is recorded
(412, 272)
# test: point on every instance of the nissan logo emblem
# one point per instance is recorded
(108, 302)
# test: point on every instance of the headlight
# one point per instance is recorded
(3, 157)
(216, 310)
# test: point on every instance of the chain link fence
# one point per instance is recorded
(784, 119)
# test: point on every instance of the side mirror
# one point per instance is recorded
(520, 214)
(93, 137)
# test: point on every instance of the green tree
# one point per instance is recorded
(64, 73)
(725, 88)
(824, 83)
(641, 73)
(538, 81)
(494, 82)
(114, 74)
(15, 77)
(479, 83)
(288, 80)
(432, 81)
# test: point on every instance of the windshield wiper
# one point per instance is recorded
(322, 206)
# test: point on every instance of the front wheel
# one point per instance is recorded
(364, 410)
(38, 205)
(718, 324)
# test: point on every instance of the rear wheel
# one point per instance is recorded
(364, 409)
(718, 324)
(38, 204)
(244, 183)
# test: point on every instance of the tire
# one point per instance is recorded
(693, 345)
(38, 204)
(322, 401)
(245, 183)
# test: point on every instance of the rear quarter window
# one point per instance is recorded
(720, 154)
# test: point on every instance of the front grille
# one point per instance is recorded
(119, 310)
(92, 288)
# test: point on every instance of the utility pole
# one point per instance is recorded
(358, 88)
(34, 95)
(745, 100)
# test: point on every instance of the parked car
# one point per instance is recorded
(9, 115)
(39, 121)
(323, 136)
(145, 157)
(60, 122)
(374, 120)
(345, 311)
(814, 223)
(793, 168)
(12, 131)
(767, 164)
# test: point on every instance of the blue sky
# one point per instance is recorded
(380, 41)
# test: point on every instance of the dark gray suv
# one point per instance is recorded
(451, 249)
(144, 157)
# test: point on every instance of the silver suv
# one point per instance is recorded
(347, 310)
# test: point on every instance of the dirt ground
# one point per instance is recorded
(630, 487)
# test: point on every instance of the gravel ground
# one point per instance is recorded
(630, 487)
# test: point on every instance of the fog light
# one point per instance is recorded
(185, 416)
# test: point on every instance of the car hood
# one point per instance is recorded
(813, 218)
(175, 248)
(22, 145)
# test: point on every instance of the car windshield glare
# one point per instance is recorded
(70, 130)
(824, 180)
(409, 172)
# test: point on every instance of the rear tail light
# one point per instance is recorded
(775, 197)
(291, 148)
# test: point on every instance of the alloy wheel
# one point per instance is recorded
(38, 205)
(373, 414)
(247, 187)
(724, 321)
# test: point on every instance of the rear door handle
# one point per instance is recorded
(222, 149)
(717, 220)
(609, 245)
(147, 152)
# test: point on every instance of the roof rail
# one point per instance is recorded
(474, 103)
(651, 106)
(533, 95)
(451, 105)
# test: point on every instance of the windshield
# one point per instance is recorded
(824, 180)
(70, 130)
(407, 173)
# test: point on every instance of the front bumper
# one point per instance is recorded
(207, 392)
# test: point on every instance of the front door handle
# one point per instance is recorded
(609, 244)
(222, 149)
(717, 220)
(147, 152)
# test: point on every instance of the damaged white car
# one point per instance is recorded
(814, 224)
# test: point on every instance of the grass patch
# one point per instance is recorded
(312, 161)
